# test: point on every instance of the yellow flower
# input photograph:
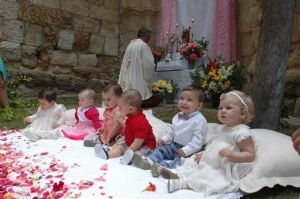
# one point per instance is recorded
(204, 84)
(227, 83)
(214, 74)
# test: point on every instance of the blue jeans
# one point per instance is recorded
(166, 155)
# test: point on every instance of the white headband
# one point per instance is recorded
(240, 99)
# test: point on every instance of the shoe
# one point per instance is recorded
(101, 152)
(152, 102)
(156, 170)
(127, 157)
(91, 140)
(141, 162)
(174, 185)
(167, 174)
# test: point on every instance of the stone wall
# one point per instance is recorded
(71, 44)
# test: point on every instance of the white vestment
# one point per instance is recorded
(137, 68)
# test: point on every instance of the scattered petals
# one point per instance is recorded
(85, 184)
(150, 187)
(101, 178)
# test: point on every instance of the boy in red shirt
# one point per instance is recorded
(138, 133)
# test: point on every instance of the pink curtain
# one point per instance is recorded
(167, 21)
(224, 32)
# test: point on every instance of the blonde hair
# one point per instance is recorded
(91, 94)
(245, 102)
(133, 98)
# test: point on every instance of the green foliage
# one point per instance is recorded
(16, 104)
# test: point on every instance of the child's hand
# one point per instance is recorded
(198, 157)
(160, 141)
(180, 153)
(55, 125)
(26, 120)
(225, 153)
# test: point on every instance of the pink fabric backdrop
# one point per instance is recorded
(167, 21)
(224, 32)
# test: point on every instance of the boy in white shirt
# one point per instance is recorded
(187, 136)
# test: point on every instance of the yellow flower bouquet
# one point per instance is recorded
(165, 89)
(217, 77)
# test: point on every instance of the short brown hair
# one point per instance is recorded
(198, 91)
(133, 98)
(115, 88)
(48, 94)
(90, 93)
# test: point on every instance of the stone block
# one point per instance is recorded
(86, 24)
(33, 34)
(70, 83)
(115, 4)
(63, 58)
(293, 61)
(297, 108)
(292, 84)
(81, 41)
(9, 9)
(87, 60)
(51, 37)
(12, 30)
(10, 51)
(46, 3)
(296, 28)
(106, 14)
(28, 56)
(96, 2)
(111, 47)
(109, 29)
(41, 15)
(60, 69)
(65, 39)
(97, 44)
(41, 79)
(86, 72)
(96, 84)
(76, 7)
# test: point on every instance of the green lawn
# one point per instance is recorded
(164, 114)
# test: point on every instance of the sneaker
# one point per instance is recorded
(156, 170)
(127, 157)
(174, 185)
(141, 162)
(100, 151)
(167, 174)
(91, 140)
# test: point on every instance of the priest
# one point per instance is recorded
(138, 67)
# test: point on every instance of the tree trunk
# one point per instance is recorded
(271, 62)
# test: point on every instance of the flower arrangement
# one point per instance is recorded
(166, 89)
(193, 50)
(217, 77)
(157, 54)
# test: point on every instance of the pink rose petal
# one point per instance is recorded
(101, 178)
(104, 167)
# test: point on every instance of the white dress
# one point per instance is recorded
(42, 121)
(213, 174)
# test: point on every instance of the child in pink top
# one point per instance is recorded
(87, 117)
(110, 97)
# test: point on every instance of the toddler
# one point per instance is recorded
(47, 119)
(86, 115)
(229, 156)
(138, 134)
(187, 136)
(110, 97)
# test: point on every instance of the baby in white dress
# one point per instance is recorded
(49, 116)
(229, 156)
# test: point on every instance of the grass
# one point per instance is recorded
(166, 113)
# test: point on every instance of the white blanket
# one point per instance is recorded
(73, 163)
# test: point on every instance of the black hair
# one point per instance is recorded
(143, 32)
(48, 94)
